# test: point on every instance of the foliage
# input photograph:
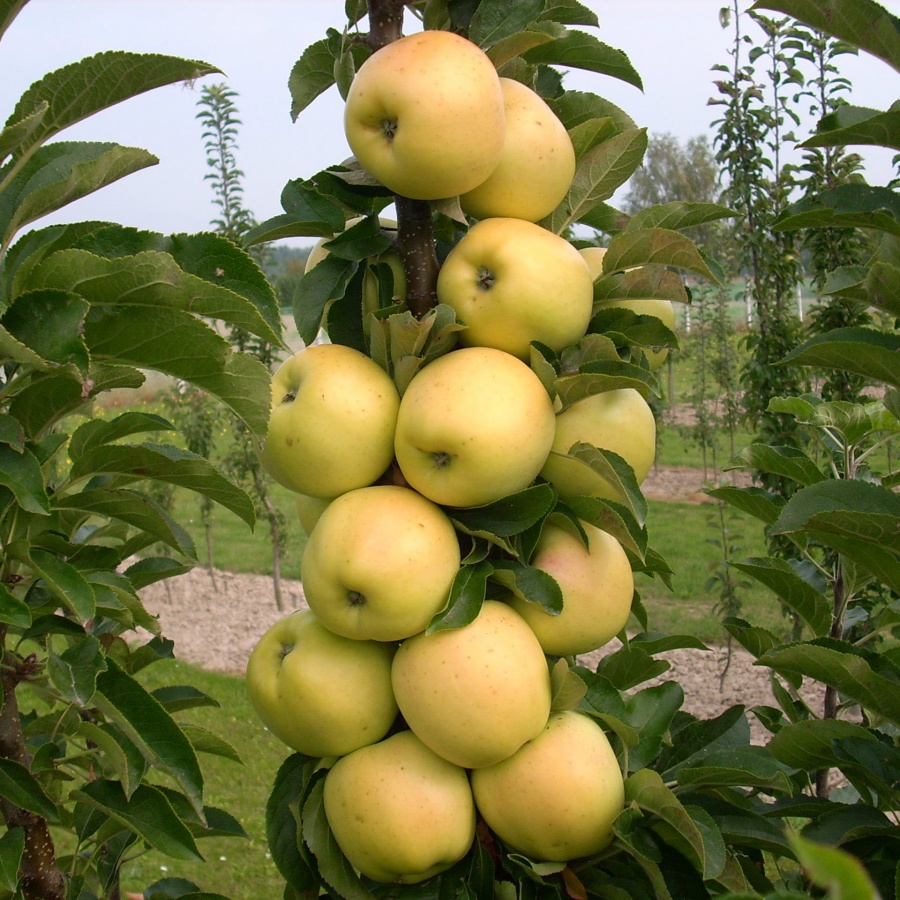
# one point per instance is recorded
(95, 768)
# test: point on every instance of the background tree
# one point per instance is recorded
(218, 116)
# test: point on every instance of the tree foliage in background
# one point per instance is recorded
(219, 117)
(95, 769)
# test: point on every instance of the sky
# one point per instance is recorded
(673, 44)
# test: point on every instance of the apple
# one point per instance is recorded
(597, 585)
(474, 694)
(320, 693)
(474, 425)
(664, 310)
(513, 282)
(556, 799)
(424, 115)
(398, 811)
(331, 427)
(536, 167)
(617, 420)
(309, 509)
(379, 563)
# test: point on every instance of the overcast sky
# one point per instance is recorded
(672, 43)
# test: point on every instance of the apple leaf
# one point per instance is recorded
(614, 518)
(630, 666)
(321, 285)
(147, 812)
(573, 108)
(15, 135)
(13, 610)
(529, 583)
(798, 595)
(650, 713)
(678, 214)
(20, 472)
(508, 516)
(599, 173)
(20, 788)
(788, 462)
(12, 844)
(567, 688)
(509, 48)
(599, 377)
(846, 206)
(65, 582)
(809, 744)
(292, 783)
(656, 246)
(754, 639)
(655, 282)
(833, 868)
(857, 125)
(580, 50)
(496, 20)
(466, 597)
(313, 73)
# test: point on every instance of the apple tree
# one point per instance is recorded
(94, 767)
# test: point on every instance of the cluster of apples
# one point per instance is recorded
(377, 476)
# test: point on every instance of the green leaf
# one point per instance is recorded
(9, 9)
(321, 285)
(74, 672)
(630, 665)
(617, 472)
(509, 48)
(58, 174)
(205, 741)
(65, 582)
(598, 174)
(567, 688)
(292, 782)
(529, 583)
(808, 745)
(21, 473)
(19, 787)
(697, 834)
(466, 597)
(837, 870)
(574, 108)
(144, 720)
(846, 206)
(862, 351)
(677, 214)
(50, 322)
(849, 125)
(495, 20)
(311, 75)
(754, 639)
(120, 759)
(13, 611)
(97, 432)
(863, 23)
(83, 88)
(623, 523)
(147, 812)
(167, 464)
(650, 712)
(179, 697)
(581, 50)
(502, 519)
(755, 501)
(635, 284)
(655, 246)
(786, 461)
(12, 843)
(15, 136)
(798, 595)
(691, 742)
(134, 508)
(858, 510)
(747, 767)
(853, 672)
(599, 377)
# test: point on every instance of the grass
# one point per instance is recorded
(235, 867)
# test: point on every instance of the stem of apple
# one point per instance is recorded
(415, 231)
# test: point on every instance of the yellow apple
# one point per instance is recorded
(474, 694)
(309, 509)
(557, 798)
(424, 115)
(664, 310)
(618, 420)
(597, 585)
(513, 282)
(331, 428)
(379, 563)
(536, 167)
(398, 811)
(475, 425)
(320, 693)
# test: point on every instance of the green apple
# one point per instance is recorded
(399, 812)
(380, 563)
(513, 282)
(557, 798)
(424, 115)
(475, 425)
(664, 310)
(309, 509)
(597, 585)
(320, 693)
(474, 694)
(331, 428)
(536, 167)
(618, 420)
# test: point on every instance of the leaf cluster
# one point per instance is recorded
(89, 757)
